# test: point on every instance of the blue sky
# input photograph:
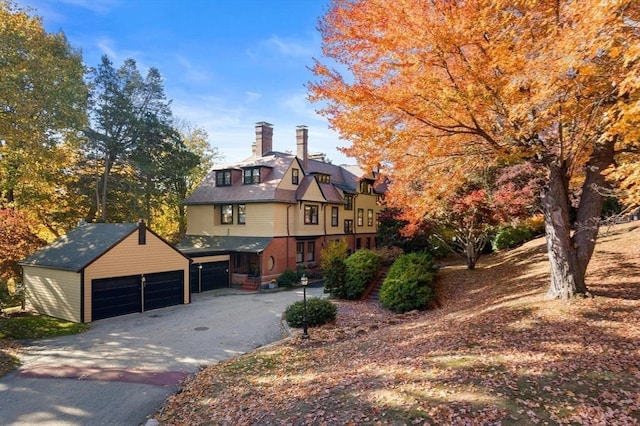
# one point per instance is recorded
(227, 64)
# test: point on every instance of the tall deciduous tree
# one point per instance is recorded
(434, 90)
(42, 97)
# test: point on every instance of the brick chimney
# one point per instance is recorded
(302, 137)
(264, 139)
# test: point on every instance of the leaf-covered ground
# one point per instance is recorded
(494, 352)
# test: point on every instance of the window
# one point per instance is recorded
(365, 187)
(360, 217)
(237, 260)
(358, 243)
(349, 200)
(310, 215)
(299, 252)
(368, 242)
(251, 175)
(369, 217)
(322, 178)
(223, 178)
(295, 176)
(311, 251)
(242, 214)
(226, 214)
(334, 216)
(348, 226)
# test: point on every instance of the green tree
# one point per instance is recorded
(332, 261)
(130, 121)
(362, 268)
(190, 162)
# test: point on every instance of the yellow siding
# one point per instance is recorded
(129, 258)
(54, 292)
(262, 220)
(200, 220)
(365, 202)
(286, 182)
(299, 228)
(313, 193)
(259, 221)
(283, 214)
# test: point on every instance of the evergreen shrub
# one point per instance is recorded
(362, 269)
(319, 311)
(510, 236)
(409, 283)
(288, 278)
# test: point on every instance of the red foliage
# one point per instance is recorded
(17, 241)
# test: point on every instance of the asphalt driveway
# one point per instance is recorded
(120, 371)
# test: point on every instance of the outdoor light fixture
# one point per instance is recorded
(304, 281)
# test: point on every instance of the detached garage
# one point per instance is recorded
(103, 270)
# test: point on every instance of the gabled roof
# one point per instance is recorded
(192, 244)
(80, 246)
(267, 190)
(344, 179)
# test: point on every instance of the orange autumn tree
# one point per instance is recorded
(435, 90)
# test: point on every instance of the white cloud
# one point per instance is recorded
(98, 6)
(192, 73)
(298, 104)
(252, 97)
(292, 48)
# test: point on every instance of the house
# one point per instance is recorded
(103, 270)
(275, 211)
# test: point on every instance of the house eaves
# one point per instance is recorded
(208, 244)
(80, 246)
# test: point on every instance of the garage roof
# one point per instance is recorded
(208, 244)
(80, 246)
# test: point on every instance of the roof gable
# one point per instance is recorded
(275, 166)
(80, 246)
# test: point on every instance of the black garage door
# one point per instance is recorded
(112, 297)
(211, 276)
(115, 296)
(163, 289)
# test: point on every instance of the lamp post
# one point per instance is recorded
(304, 281)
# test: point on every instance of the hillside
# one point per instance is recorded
(494, 352)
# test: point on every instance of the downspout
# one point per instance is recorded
(355, 221)
(288, 236)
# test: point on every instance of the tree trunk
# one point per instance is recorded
(555, 206)
(104, 187)
(590, 208)
(569, 255)
(472, 257)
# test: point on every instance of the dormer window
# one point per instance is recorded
(223, 178)
(295, 176)
(251, 175)
(365, 187)
(322, 178)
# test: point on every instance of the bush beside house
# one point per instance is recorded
(361, 269)
(409, 283)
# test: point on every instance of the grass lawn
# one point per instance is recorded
(15, 325)
(495, 352)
